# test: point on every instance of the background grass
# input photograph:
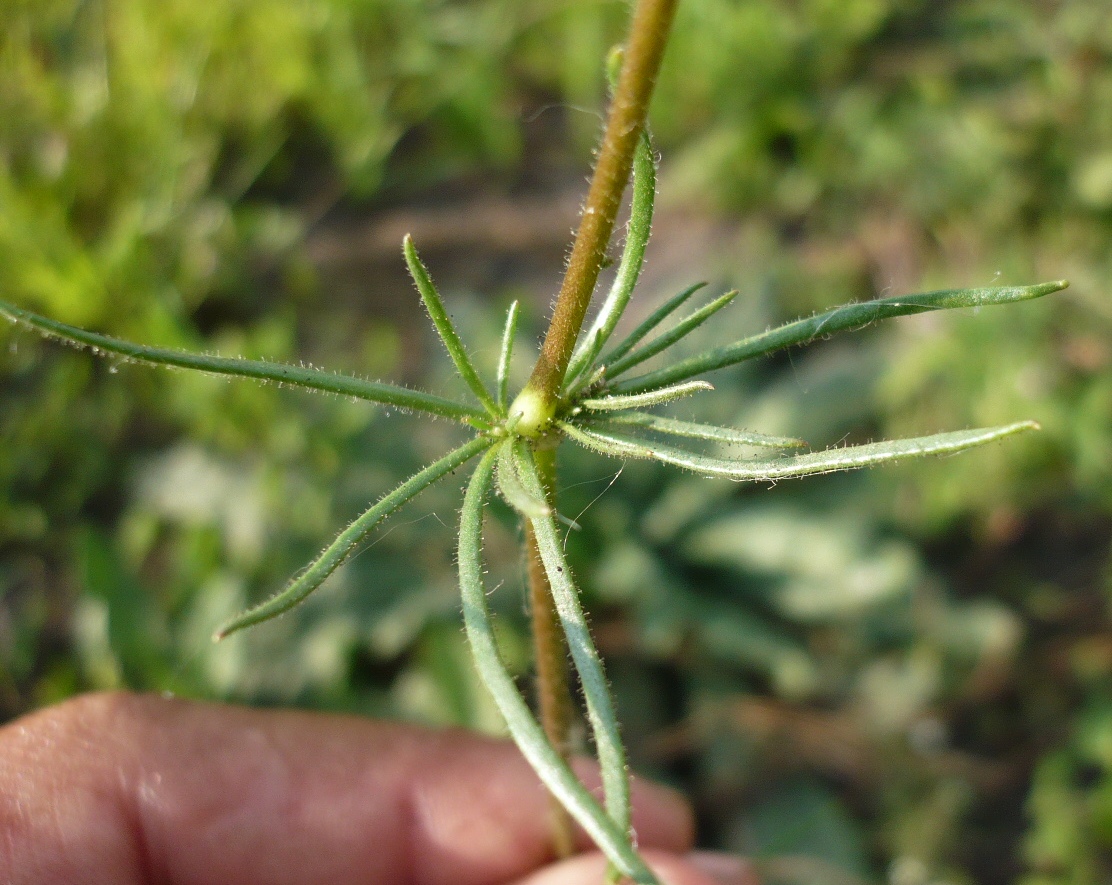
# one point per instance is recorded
(901, 675)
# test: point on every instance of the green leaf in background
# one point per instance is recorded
(802, 834)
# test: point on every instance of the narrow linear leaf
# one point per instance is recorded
(294, 376)
(709, 432)
(651, 322)
(633, 257)
(349, 539)
(619, 445)
(685, 327)
(526, 732)
(620, 401)
(444, 326)
(598, 440)
(578, 374)
(508, 334)
(592, 678)
(512, 488)
(848, 316)
(586, 381)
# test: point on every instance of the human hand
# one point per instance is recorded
(128, 790)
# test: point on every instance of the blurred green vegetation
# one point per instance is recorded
(902, 676)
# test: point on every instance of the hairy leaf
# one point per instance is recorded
(526, 732)
(349, 539)
(294, 376)
(848, 316)
(592, 678)
(651, 322)
(685, 327)
(506, 355)
(710, 432)
(619, 445)
(633, 256)
(618, 402)
(511, 486)
(444, 326)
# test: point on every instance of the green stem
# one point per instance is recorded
(652, 21)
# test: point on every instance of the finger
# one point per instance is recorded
(132, 789)
(696, 868)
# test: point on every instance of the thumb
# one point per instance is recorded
(696, 868)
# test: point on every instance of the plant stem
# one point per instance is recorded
(652, 21)
(550, 649)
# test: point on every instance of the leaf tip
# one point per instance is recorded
(229, 627)
(1038, 290)
(412, 259)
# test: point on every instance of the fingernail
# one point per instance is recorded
(726, 869)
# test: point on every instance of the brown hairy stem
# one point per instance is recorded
(652, 20)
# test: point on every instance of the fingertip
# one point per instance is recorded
(725, 869)
(662, 817)
(694, 868)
